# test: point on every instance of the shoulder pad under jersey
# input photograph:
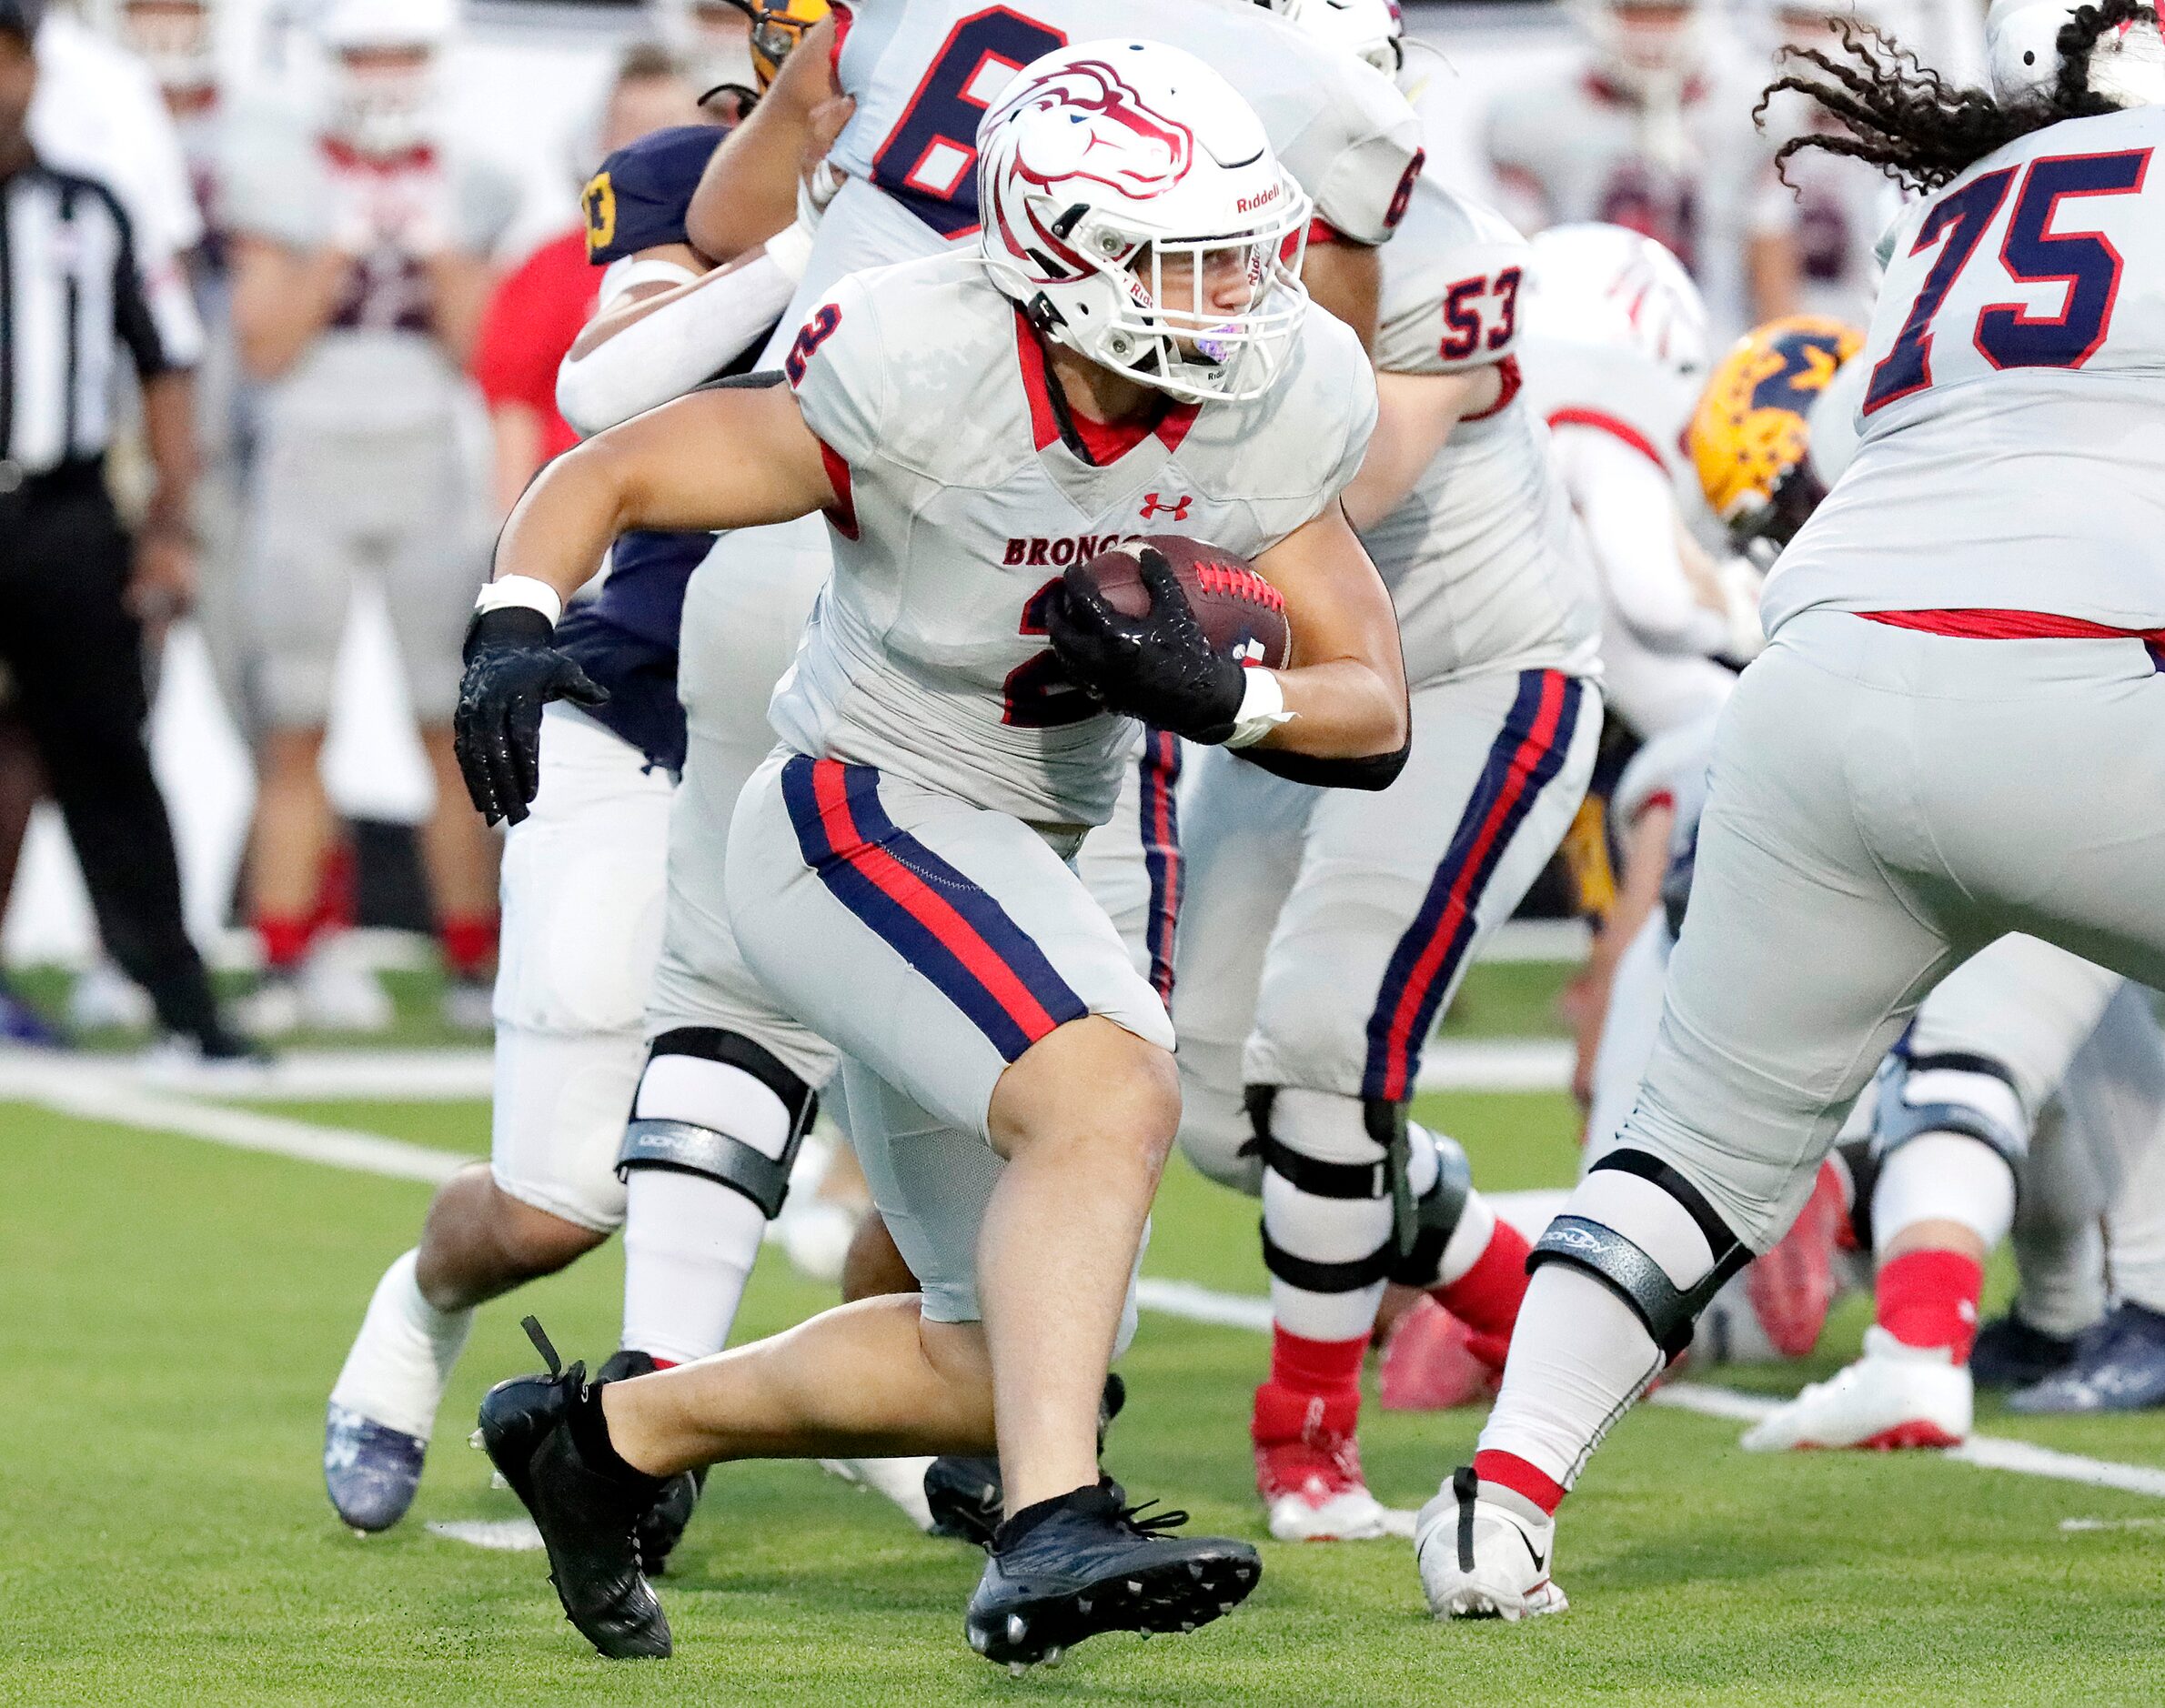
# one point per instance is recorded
(640, 197)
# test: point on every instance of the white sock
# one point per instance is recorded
(401, 1361)
(1579, 1354)
(1579, 1357)
(688, 1247)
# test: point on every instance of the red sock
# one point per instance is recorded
(1486, 1297)
(334, 891)
(284, 940)
(1508, 1471)
(1314, 1384)
(1315, 1366)
(468, 943)
(1929, 1299)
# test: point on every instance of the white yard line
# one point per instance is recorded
(92, 1092)
(1495, 1064)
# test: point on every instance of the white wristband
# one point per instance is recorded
(1263, 709)
(521, 590)
(791, 248)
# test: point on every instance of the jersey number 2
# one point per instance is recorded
(1039, 694)
(929, 163)
(2006, 335)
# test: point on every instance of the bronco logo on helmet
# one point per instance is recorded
(1111, 138)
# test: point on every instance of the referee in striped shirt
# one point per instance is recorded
(75, 590)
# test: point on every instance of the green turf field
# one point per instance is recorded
(175, 1312)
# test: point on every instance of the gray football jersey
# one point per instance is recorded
(1565, 148)
(923, 73)
(374, 367)
(2012, 424)
(1483, 559)
(963, 498)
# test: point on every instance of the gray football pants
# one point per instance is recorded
(1884, 803)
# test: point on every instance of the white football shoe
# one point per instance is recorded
(1484, 1552)
(902, 1481)
(105, 997)
(1894, 1396)
(1308, 1469)
(338, 994)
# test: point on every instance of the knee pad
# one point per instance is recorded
(1949, 1091)
(716, 1104)
(1626, 1267)
(1423, 1175)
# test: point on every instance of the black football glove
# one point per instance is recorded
(1159, 667)
(511, 672)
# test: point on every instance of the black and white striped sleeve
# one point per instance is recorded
(133, 319)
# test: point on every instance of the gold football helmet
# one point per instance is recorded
(777, 26)
(1750, 434)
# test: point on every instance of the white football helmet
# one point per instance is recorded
(1595, 284)
(1132, 205)
(2127, 67)
(1369, 30)
(713, 37)
(175, 38)
(1648, 48)
(380, 109)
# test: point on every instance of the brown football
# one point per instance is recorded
(1242, 614)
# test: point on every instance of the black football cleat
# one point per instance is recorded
(964, 1493)
(1084, 1564)
(2009, 1353)
(663, 1526)
(588, 1519)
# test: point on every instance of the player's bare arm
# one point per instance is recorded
(749, 191)
(1346, 689)
(734, 457)
(1416, 416)
(282, 297)
(459, 286)
(1347, 279)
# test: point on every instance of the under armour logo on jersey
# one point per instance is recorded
(1178, 509)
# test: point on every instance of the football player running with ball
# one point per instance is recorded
(915, 83)
(1934, 749)
(898, 878)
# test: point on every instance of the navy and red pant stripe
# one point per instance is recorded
(1524, 758)
(940, 921)
(1160, 771)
